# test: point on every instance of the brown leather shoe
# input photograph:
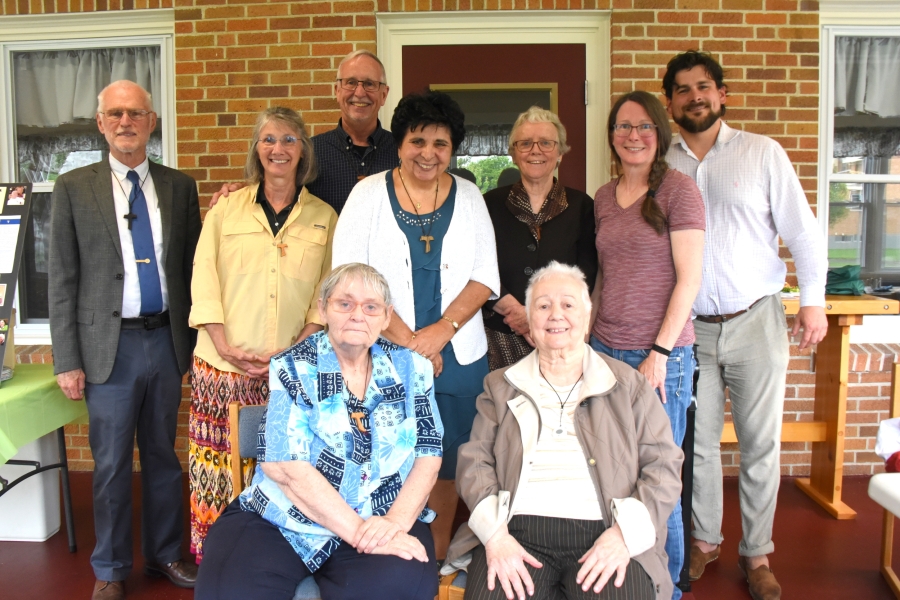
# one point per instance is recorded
(763, 585)
(181, 572)
(108, 590)
(699, 560)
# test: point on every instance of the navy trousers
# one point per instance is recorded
(246, 556)
(142, 394)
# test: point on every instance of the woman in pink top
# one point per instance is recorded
(650, 224)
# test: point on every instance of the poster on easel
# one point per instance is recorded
(15, 205)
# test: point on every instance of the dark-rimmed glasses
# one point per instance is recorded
(527, 145)
(350, 84)
(644, 129)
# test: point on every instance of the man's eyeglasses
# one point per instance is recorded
(116, 114)
(350, 84)
(288, 141)
(644, 129)
(371, 309)
(527, 145)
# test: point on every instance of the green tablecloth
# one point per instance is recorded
(31, 406)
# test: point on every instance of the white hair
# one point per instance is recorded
(556, 268)
(357, 54)
(124, 83)
(370, 277)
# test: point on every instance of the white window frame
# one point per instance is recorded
(849, 18)
(83, 31)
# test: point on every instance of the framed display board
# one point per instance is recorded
(15, 205)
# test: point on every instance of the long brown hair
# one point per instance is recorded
(650, 210)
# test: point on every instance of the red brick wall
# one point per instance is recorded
(237, 57)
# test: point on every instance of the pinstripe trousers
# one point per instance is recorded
(558, 544)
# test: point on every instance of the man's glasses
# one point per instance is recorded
(288, 141)
(116, 114)
(350, 84)
(527, 145)
(644, 129)
(371, 309)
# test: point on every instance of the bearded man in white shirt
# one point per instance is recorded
(752, 197)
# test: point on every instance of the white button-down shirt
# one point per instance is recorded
(752, 197)
(131, 299)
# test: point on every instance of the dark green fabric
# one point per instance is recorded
(844, 281)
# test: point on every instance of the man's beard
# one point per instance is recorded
(698, 126)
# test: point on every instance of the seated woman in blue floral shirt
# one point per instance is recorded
(349, 449)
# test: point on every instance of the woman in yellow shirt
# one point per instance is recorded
(262, 255)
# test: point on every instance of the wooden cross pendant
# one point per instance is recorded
(427, 239)
(129, 217)
(281, 247)
(358, 417)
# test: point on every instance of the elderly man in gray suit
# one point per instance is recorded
(123, 234)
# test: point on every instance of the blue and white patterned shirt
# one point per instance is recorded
(308, 419)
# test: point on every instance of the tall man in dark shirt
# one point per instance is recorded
(358, 146)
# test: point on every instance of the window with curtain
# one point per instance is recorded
(864, 178)
(54, 108)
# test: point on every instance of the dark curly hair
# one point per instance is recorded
(650, 210)
(416, 111)
(687, 61)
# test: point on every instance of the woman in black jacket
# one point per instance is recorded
(536, 220)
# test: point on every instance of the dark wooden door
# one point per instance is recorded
(512, 63)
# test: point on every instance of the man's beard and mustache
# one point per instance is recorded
(691, 125)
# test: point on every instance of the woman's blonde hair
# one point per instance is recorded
(536, 114)
(306, 170)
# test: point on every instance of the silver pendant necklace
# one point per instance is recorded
(559, 431)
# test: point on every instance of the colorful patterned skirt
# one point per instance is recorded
(209, 466)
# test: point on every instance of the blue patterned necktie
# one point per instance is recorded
(144, 252)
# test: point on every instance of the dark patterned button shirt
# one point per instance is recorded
(341, 166)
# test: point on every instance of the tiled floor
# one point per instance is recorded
(816, 556)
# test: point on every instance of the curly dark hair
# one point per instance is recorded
(650, 210)
(416, 111)
(687, 61)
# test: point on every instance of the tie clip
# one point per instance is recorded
(143, 260)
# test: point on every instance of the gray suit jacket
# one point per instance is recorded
(87, 274)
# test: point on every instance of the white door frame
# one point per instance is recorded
(588, 27)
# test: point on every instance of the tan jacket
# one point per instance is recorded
(627, 442)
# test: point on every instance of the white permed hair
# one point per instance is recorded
(556, 268)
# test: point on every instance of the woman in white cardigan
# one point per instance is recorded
(430, 235)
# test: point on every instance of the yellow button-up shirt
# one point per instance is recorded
(263, 288)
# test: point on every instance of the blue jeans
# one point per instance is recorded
(679, 381)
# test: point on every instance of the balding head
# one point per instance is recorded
(125, 117)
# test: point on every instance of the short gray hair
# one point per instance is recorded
(148, 100)
(306, 170)
(536, 114)
(556, 268)
(370, 277)
(357, 54)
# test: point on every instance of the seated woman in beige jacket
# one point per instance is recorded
(570, 471)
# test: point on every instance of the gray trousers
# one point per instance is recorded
(142, 394)
(748, 355)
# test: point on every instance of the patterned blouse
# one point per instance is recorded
(309, 418)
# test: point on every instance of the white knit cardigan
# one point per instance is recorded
(367, 232)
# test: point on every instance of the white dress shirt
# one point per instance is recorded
(131, 299)
(752, 197)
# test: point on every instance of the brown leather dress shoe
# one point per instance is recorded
(763, 585)
(699, 560)
(181, 572)
(108, 590)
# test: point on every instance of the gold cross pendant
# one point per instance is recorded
(358, 417)
(281, 247)
(427, 239)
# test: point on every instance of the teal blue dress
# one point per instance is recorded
(457, 387)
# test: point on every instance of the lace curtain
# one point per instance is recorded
(43, 157)
(56, 87)
(486, 140)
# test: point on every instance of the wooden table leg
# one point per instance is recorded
(832, 366)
